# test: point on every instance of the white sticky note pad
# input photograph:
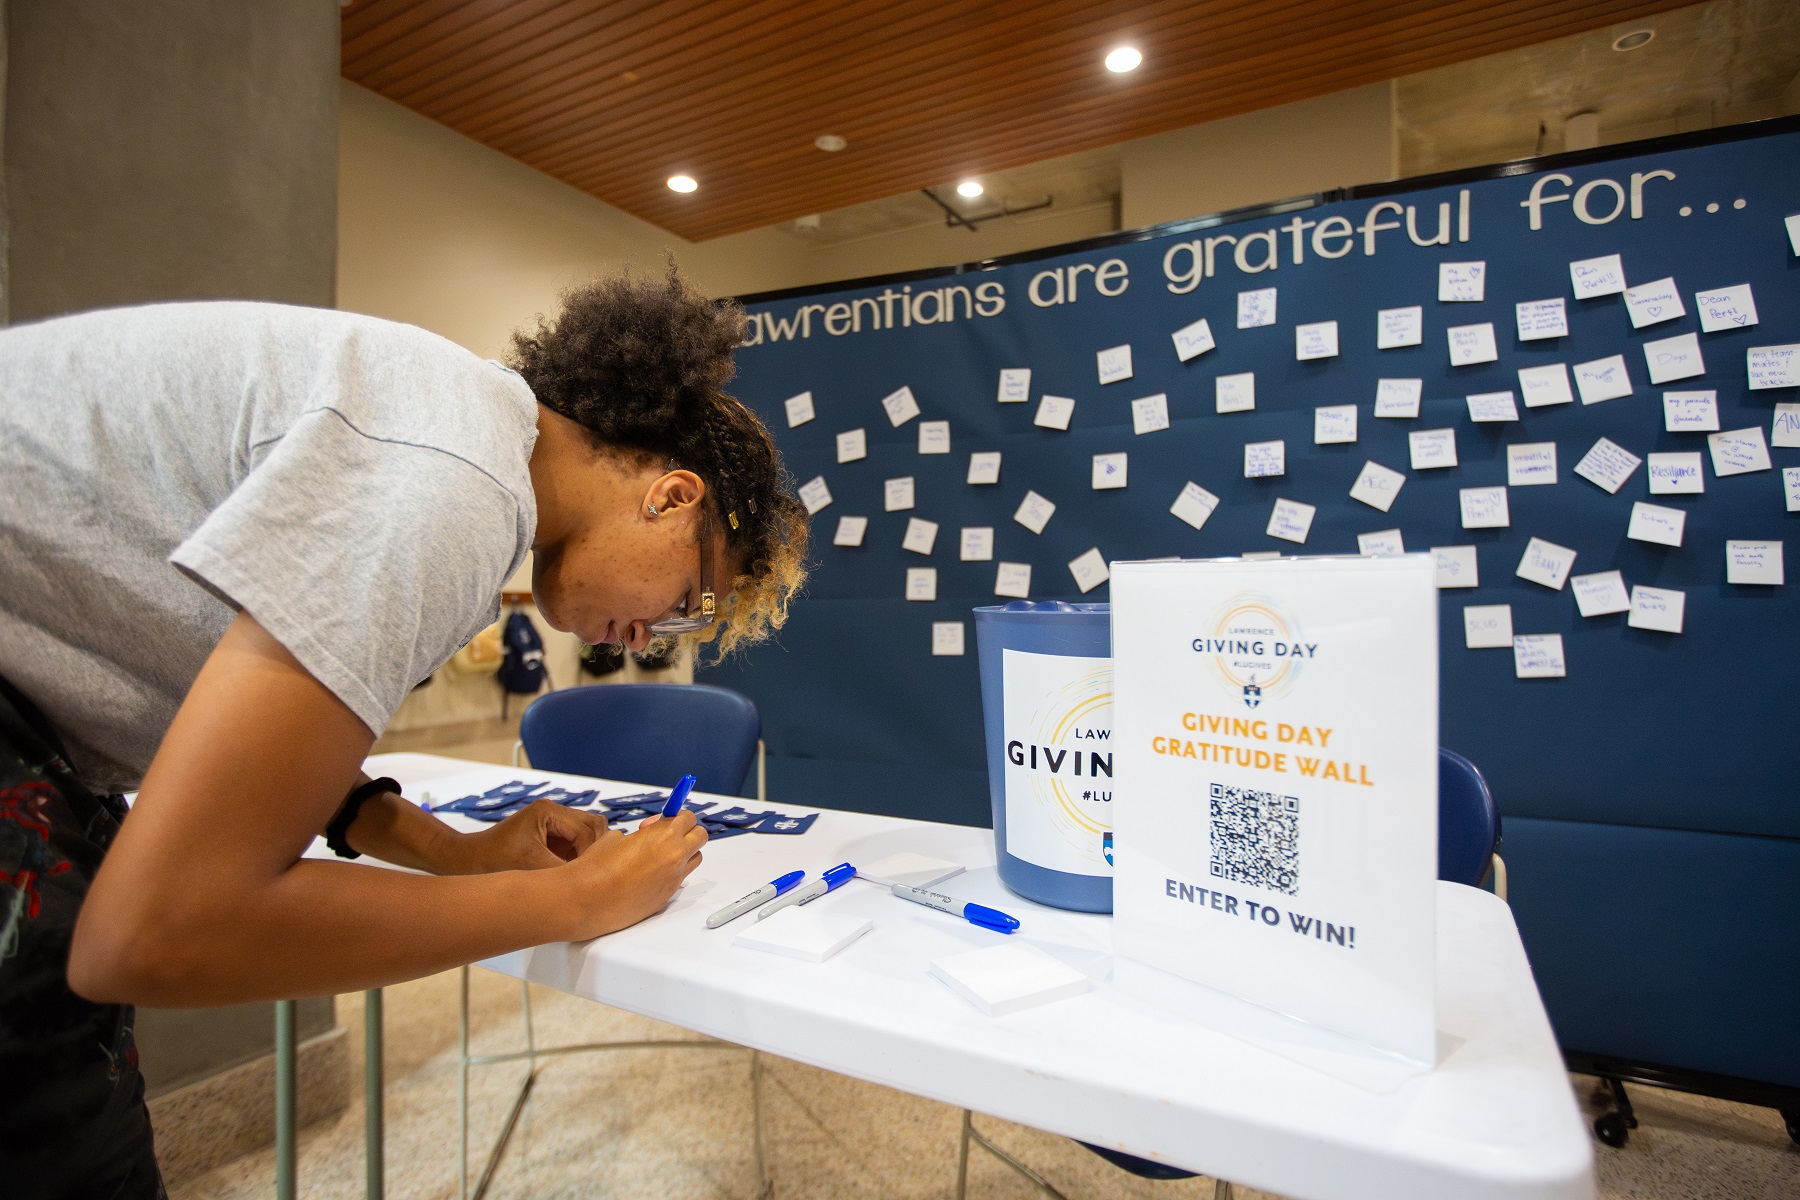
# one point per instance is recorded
(1054, 412)
(1334, 424)
(850, 531)
(934, 437)
(900, 406)
(1487, 626)
(1603, 379)
(1773, 367)
(1726, 308)
(914, 870)
(1265, 459)
(1457, 566)
(1008, 978)
(921, 583)
(1754, 563)
(799, 409)
(1492, 406)
(1291, 521)
(1530, 464)
(1660, 609)
(1397, 327)
(1318, 339)
(815, 494)
(1690, 412)
(1191, 341)
(1114, 363)
(1654, 303)
(1790, 487)
(1793, 230)
(1256, 308)
(1471, 344)
(1608, 465)
(897, 494)
(1109, 471)
(946, 639)
(1784, 426)
(1382, 543)
(1546, 563)
(921, 536)
(1377, 486)
(1194, 505)
(1676, 473)
(1398, 397)
(1599, 594)
(1545, 385)
(976, 544)
(799, 932)
(984, 467)
(1089, 570)
(1150, 414)
(1431, 448)
(1015, 385)
(1656, 523)
(1235, 393)
(1484, 508)
(1539, 319)
(1462, 281)
(1591, 277)
(1013, 580)
(852, 445)
(1669, 359)
(1034, 512)
(1738, 451)
(1538, 656)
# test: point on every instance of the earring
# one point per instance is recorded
(652, 509)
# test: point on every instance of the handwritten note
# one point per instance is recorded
(852, 445)
(1472, 344)
(934, 437)
(1487, 626)
(1150, 414)
(1089, 570)
(897, 494)
(1316, 340)
(1530, 464)
(815, 495)
(1655, 523)
(850, 531)
(1600, 594)
(1591, 277)
(1607, 465)
(1545, 385)
(1034, 512)
(1191, 341)
(1690, 412)
(1773, 366)
(1784, 427)
(1396, 327)
(1462, 282)
(1334, 424)
(1109, 471)
(976, 544)
(1603, 379)
(1114, 363)
(921, 536)
(1754, 563)
(1054, 412)
(921, 583)
(1194, 505)
(1674, 358)
(1539, 656)
(947, 639)
(1290, 521)
(1726, 308)
(1654, 303)
(1256, 308)
(1790, 487)
(900, 406)
(1456, 567)
(1235, 393)
(1492, 406)
(1382, 543)
(984, 467)
(1738, 451)
(1013, 580)
(1015, 385)
(1432, 448)
(1265, 459)
(1377, 486)
(1398, 397)
(799, 409)
(1657, 608)
(1676, 473)
(1546, 563)
(1484, 508)
(1540, 319)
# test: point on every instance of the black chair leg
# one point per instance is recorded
(1614, 1128)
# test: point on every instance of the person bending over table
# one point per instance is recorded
(234, 537)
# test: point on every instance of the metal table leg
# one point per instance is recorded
(372, 1093)
(285, 1102)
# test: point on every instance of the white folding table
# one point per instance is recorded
(1495, 1119)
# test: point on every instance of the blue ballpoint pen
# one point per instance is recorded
(756, 899)
(679, 796)
(835, 877)
(975, 914)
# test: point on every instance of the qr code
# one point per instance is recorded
(1256, 838)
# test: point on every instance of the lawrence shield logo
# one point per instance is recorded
(1255, 648)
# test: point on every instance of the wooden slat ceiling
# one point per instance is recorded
(614, 96)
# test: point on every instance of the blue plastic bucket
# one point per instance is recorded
(1046, 702)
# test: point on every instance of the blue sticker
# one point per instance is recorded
(782, 823)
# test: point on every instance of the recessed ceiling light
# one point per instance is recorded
(1123, 59)
(682, 183)
(1634, 40)
(830, 143)
(968, 189)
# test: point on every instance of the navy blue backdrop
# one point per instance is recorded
(1652, 814)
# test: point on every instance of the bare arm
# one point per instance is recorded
(203, 898)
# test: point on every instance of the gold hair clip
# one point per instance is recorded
(732, 517)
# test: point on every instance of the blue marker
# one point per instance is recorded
(756, 899)
(835, 877)
(975, 914)
(677, 797)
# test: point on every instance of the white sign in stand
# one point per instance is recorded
(1275, 806)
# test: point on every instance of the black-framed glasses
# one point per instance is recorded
(690, 622)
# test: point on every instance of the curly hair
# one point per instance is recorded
(640, 363)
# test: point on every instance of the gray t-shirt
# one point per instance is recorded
(361, 488)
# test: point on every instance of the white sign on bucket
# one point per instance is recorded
(1059, 760)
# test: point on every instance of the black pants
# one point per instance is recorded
(72, 1117)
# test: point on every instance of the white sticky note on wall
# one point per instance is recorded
(815, 494)
(1690, 412)
(1462, 281)
(1377, 486)
(1793, 228)
(1114, 363)
(1771, 367)
(1754, 563)
(1530, 464)
(1656, 523)
(1191, 341)
(984, 467)
(1487, 626)
(1607, 465)
(1603, 379)
(934, 437)
(1054, 412)
(850, 531)
(921, 583)
(1034, 512)
(900, 406)
(1546, 563)
(1381, 543)
(947, 639)
(1539, 319)
(1492, 406)
(1256, 308)
(1600, 594)
(1397, 327)
(1790, 487)
(1015, 385)
(1653, 303)
(1235, 393)
(1317, 339)
(1334, 424)
(1194, 505)
(1660, 609)
(1538, 656)
(1738, 451)
(1543, 386)
(1109, 471)
(897, 494)
(1089, 570)
(799, 409)
(1484, 508)
(1398, 397)
(852, 445)
(1265, 459)
(1457, 566)
(1432, 448)
(1676, 473)
(1013, 580)
(1472, 344)
(1591, 277)
(1150, 414)
(921, 536)
(1291, 521)
(1726, 308)
(976, 544)
(1669, 359)
(1784, 426)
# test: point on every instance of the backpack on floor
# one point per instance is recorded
(522, 669)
